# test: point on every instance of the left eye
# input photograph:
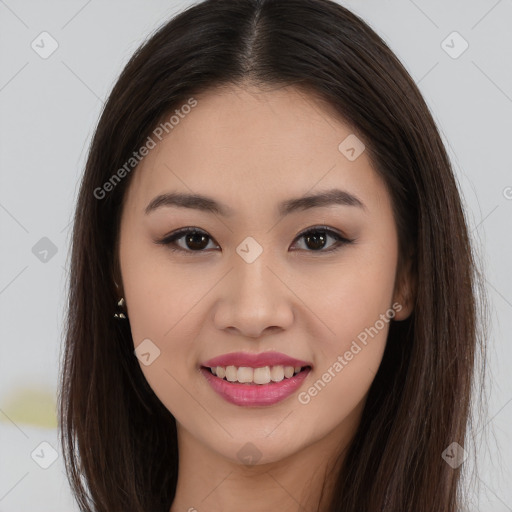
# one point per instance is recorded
(196, 240)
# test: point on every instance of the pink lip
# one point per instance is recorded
(254, 360)
(255, 394)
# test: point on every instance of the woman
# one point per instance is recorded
(273, 298)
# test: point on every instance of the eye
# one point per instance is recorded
(196, 240)
(316, 238)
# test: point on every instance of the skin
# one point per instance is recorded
(250, 149)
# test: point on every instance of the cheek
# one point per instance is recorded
(161, 301)
(160, 311)
(359, 312)
(158, 294)
(357, 293)
(164, 310)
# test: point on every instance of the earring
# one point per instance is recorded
(120, 312)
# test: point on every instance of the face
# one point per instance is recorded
(287, 284)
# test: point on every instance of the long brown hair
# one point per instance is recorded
(119, 441)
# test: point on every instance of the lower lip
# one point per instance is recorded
(255, 394)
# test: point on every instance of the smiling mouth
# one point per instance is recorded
(256, 376)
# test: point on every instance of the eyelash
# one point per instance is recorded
(173, 237)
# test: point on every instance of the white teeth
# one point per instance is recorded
(263, 375)
(245, 374)
(288, 371)
(277, 373)
(231, 373)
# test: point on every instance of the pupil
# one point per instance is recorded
(318, 240)
(193, 238)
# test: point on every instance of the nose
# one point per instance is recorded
(254, 298)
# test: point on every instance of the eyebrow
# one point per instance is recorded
(200, 202)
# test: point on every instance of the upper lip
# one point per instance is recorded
(250, 360)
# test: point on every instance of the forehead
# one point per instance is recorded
(250, 144)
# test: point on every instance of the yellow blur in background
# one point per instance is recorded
(30, 406)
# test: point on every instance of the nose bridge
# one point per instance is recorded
(252, 274)
(255, 298)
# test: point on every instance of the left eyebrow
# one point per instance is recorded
(208, 204)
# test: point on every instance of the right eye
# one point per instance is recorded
(194, 239)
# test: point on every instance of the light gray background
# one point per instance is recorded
(48, 111)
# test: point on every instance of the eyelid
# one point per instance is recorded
(341, 239)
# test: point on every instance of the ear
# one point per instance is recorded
(404, 294)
